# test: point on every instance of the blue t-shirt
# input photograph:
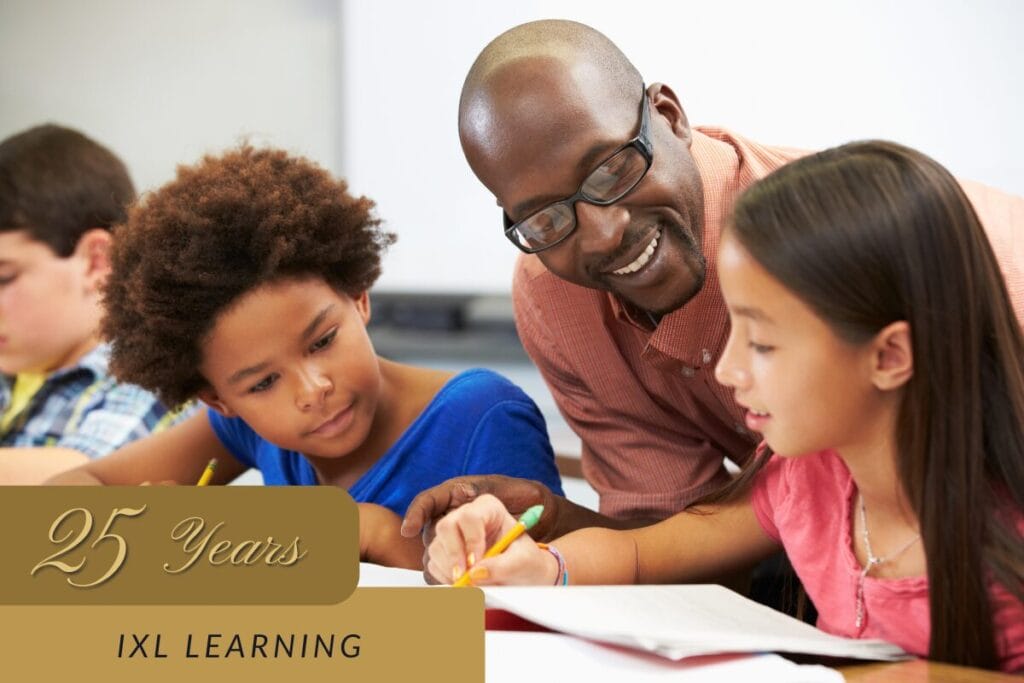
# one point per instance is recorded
(478, 423)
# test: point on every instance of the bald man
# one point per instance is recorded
(618, 205)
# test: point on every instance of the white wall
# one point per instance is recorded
(370, 87)
(162, 83)
(946, 77)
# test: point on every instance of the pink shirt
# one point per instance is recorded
(806, 504)
(654, 423)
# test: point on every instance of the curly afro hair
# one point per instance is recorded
(223, 227)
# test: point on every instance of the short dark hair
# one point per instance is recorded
(56, 183)
(222, 228)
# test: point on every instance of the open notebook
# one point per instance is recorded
(671, 621)
(677, 621)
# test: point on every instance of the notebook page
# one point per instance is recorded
(677, 621)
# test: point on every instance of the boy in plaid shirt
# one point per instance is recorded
(60, 194)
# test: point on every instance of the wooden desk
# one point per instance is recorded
(919, 671)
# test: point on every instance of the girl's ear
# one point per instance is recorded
(893, 356)
(362, 302)
(210, 398)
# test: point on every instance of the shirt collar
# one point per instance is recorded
(694, 333)
(95, 363)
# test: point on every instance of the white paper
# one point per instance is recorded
(677, 621)
(375, 575)
(514, 657)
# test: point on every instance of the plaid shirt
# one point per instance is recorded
(84, 408)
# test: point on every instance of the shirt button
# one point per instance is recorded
(706, 356)
(687, 371)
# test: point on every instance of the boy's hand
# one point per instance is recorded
(465, 534)
(380, 541)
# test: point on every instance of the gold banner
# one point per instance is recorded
(378, 634)
(177, 545)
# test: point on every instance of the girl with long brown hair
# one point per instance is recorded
(875, 348)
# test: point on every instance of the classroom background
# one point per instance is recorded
(370, 91)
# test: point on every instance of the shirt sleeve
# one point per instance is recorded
(1002, 216)
(236, 436)
(638, 467)
(511, 438)
(115, 417)
(770, 488)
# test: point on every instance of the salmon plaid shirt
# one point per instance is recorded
(654, 422)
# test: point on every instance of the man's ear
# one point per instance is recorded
(93, 248)
(210, 398)
(892, 356)
(665, 102)
(362, 302)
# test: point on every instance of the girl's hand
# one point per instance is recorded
(464, 535)
(381, 543)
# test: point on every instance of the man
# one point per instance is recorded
(621, 203)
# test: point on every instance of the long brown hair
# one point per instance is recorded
(873, 232)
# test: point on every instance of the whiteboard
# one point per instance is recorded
(369, 89)
(945, 77)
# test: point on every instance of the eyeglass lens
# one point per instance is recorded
(608, 183)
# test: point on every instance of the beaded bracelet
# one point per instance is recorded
(562, 579)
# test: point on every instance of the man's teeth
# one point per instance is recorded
(758, 413)
(641, 260)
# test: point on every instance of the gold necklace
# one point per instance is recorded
(873, 560)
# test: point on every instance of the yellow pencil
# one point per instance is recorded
(207, 473)
(528, 520)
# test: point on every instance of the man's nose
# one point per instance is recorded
(600, 228)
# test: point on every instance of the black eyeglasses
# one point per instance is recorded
(613, 179)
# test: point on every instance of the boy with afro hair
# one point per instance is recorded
(244, 283)
(60, 195)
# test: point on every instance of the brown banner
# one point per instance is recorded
(178, 545)
(378, 634)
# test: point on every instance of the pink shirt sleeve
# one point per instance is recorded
(770, 487)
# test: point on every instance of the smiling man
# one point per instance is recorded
(618, 205)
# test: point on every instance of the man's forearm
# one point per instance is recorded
(572, 516)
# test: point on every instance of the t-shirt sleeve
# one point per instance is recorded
(770, 489)
(511, 439)
(117, 416)
(1002, 216)
(236, 436)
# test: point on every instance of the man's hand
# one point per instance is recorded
(516, 494)
(560, 515)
